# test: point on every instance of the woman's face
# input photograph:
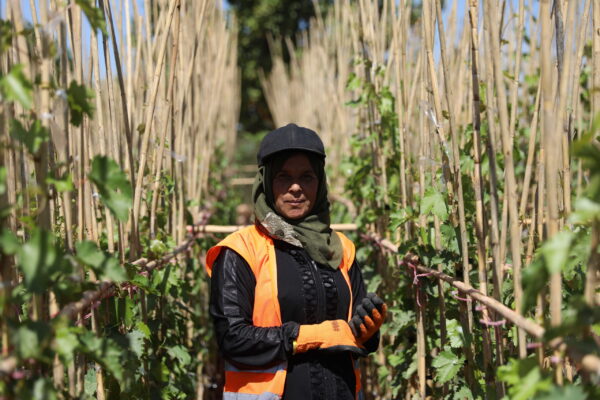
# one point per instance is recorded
(295, 187)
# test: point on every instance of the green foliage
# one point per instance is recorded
(447, 365)
(31, 339)
(113, 186)
(14, 86)
(66, 342)
(6, 35)
(413, 227)
(62, 184)
(32, 138)
(94, 15)
(3, 174)
(434, 203)
(104, 265)
(9, 244)
(143, 338)
(80, 102)
(40, 259)
(564, 392)
(525, 378)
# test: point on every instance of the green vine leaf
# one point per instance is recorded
(106, 266)
(90, 383)
(524, 378)
(3, 175)
(62, 184)
(181, 354)
(586, 211)
(6, 35)
(66, 342)
(9, 244)
(31, 340)
(556, 251)
(455, 333)
(433, 202)
(447, 364)
(113, 186)
(94, 15)
(39, 259)
(463, 394)
(136, 342)
(566, 392)
(16, 87)
(79, 98)
(104, 351)
(43, 389)
(32, 138)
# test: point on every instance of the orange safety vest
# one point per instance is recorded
(258, 250)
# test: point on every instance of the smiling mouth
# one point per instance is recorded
(295, 202)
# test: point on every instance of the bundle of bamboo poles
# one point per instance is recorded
(499, 81)
(165, 102)
(166, 96)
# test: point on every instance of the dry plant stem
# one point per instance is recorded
(480, 222)
(99, 375)
(591, 276)
(494, 234)
(137, 198)
(101, 117)
(517, 71)
(41, 160)
(596, 58)
(397, 44)
(511, 187)
(421, 347)
(574, 88)
(454, 181)
(530, 153)
(105, 5)
(441, 295)
(124, 108)
(167, 117)
(552, 147)
(563, 128)
(78, 138)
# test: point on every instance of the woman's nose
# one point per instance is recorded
(295, 187)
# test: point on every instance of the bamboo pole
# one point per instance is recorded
(480, 222)
(552, 153)
(490, 13)
(148, 123)
(163, 133)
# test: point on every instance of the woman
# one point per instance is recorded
(283, 289)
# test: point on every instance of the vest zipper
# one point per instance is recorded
(319, 288)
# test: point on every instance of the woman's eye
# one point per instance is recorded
(282, 178)
(308, 178)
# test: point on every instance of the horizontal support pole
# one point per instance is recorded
(588, 362)
(234, 228)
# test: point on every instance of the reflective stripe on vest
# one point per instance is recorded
(247, 396)
(257, 249)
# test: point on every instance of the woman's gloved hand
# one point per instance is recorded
(368, 318)
(330, 335)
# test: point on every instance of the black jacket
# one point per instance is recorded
(308, 293)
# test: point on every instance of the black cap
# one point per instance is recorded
(289, 137)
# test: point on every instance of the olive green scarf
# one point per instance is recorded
(311, 232)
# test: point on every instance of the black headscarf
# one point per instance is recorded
(311, 232)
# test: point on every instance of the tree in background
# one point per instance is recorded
(257, 20)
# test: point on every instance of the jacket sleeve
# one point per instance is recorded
(231, 305)
(358, 293)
